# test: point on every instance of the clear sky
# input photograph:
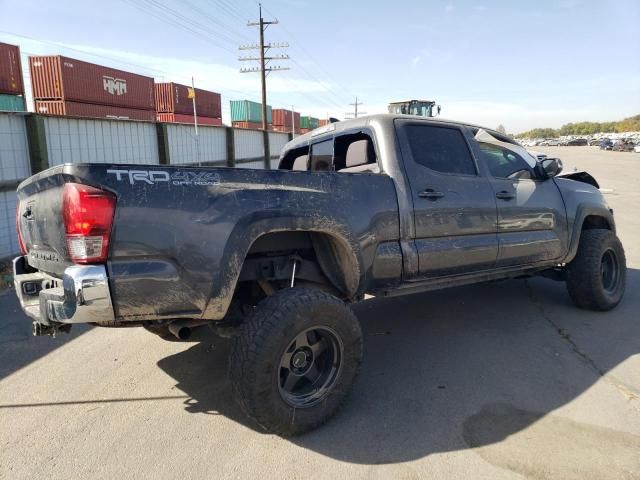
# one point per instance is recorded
(519, 63)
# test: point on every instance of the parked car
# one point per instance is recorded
(624, 145)
(606, 144)
(384, 205)
(577, 142)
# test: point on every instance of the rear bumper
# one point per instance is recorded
(81, 296)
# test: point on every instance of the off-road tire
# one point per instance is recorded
(586, 280)
(256, 355)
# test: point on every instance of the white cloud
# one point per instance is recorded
(415, 61)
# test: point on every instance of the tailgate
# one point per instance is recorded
(39, 218)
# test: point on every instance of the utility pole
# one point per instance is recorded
(355, 109)
(293, 123)
(263, 59)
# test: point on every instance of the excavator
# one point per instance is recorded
(421, 108)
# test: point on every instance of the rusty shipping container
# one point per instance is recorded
(282, 128)
(177, 118)
(174, 98)
(282, 118)
(249, 125)
(62, 78)
(10, 70)
(90, 110)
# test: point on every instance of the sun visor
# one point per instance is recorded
(486, 137)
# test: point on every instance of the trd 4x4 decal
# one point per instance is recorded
(153, 177)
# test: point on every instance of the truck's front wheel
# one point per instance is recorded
(295, 360)
(596, 277)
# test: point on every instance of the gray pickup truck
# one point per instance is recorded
(382, 205)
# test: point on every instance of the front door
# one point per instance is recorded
(454, 206)
(532, 223)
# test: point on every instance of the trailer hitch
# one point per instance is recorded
(38, 329)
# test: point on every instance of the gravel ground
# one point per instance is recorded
(496, 381)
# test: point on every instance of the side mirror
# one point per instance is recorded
(551, 166)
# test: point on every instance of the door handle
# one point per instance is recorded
(504, 195)
(431, 194)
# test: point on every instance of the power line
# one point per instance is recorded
(332, 98)
(263, 59)
(221, 24)
(355, 106)
(298, 45)
(230, 9)
(165, 14)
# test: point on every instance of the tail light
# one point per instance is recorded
(88, 217)
(23, 250)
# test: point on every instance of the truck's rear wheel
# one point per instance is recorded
(295, 360)
(596, 277)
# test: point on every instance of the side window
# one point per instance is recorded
(295, 159)
(322, 156)
(300, 163)
(354, 153)
(441, 149)
(504, 163)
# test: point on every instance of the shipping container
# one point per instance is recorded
(10, 70)
(248, 111)
(309, 122)
(174, 98)
(304, 130)
(11, 103)
(90, 110)
(282, 117)
(284, 129)
(323, 121)
(249, 125)
(178, 118)
(62, 78)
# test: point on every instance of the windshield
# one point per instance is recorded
(421, 109)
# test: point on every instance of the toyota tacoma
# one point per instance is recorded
(384, 205)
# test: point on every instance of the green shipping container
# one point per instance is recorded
(248, 111)
(309, 122)
(12, 103)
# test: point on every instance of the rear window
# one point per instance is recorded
(440, 149)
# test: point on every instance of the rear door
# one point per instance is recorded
(454, 206)
(531, 213)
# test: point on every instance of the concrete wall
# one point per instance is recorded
(14, 149)
(211, 144)
(8, 237)
(277, 141)
(248, 145)
(14, 166)
(100, 141)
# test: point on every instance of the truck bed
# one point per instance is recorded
(180, 234)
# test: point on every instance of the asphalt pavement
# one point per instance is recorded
(496, 381)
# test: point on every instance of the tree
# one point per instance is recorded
(500, 129)
(631, 124)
